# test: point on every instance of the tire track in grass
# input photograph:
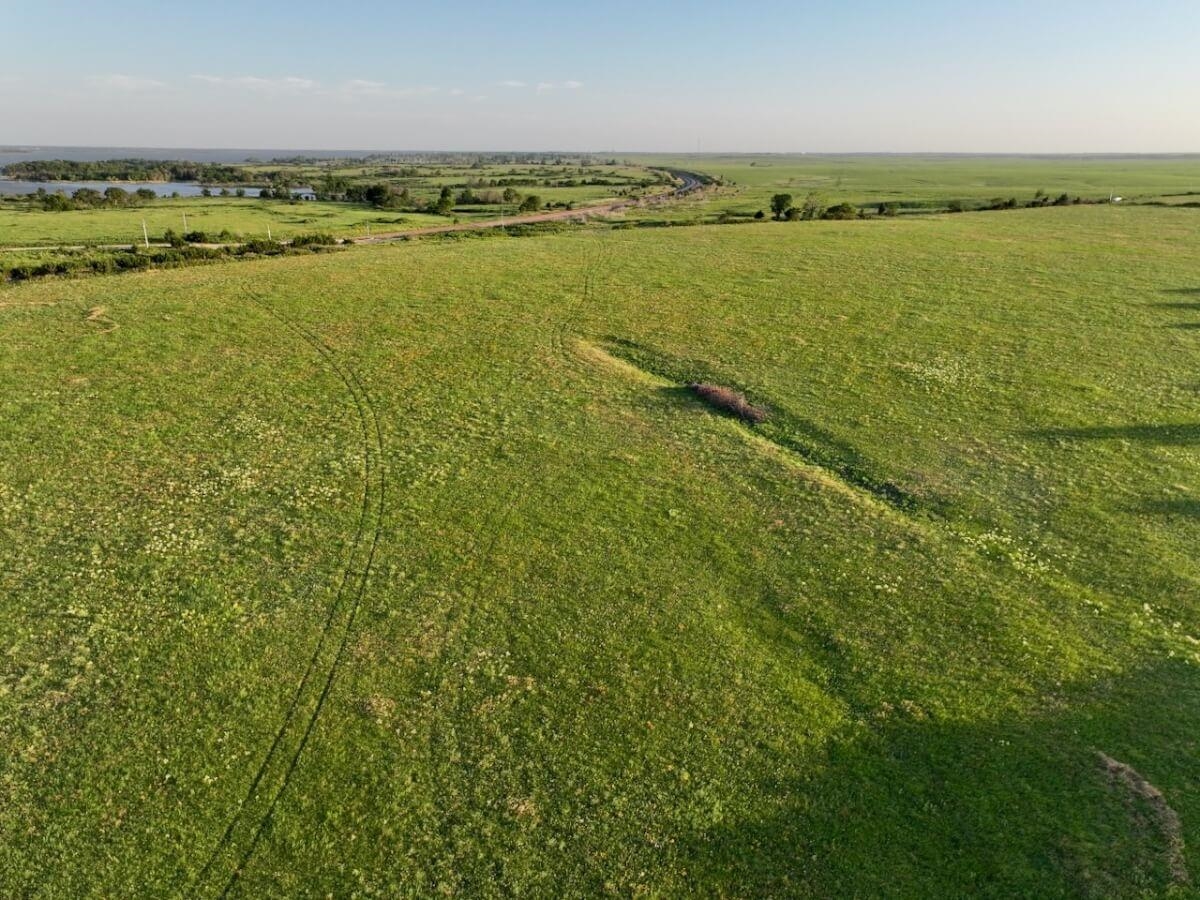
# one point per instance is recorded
(351, 591)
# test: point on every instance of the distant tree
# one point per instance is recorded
(813, 207)
(116, 196)
(532, 203)
(379, 195)
(889, 209)
(511, 195)
(56, 202)
(240, 192)
(87, 197)
(794, 214)
(841, 211)
(760, 214)
(780, 204)
(205, 192)
(224, 192)
(145, 194)
(445, 202)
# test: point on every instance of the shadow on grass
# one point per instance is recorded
(801, 436)
(1010, 808)
(1186, 507)
(1187, 326)
(1177, 305)
(1163, 435)
(1185, 291)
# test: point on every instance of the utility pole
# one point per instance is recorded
(269, 238)
(185, 223)
(145, 233)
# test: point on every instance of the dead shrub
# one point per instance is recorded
(730, 401)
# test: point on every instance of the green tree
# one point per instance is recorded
(780, 204)
(841, 211)
(87, 197)
(532, 203)
(379, 195)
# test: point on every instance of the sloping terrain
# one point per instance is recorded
(418, 569)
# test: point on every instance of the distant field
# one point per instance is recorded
(243, 218)
(936, 180)
(23, 223)
(416, 569)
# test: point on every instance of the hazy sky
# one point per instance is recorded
(854, 75)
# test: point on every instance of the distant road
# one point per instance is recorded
(691, 182)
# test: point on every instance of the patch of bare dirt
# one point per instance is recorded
(1167, 820)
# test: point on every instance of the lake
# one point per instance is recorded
(162, 188)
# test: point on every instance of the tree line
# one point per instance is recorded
(123, 170)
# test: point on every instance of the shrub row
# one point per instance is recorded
(136, 259)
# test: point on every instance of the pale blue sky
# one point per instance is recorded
(857, 75)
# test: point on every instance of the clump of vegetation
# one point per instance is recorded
(728, 400)
(316, 239)
(135, 258)
(841, 211)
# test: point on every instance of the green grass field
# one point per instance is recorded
(416, 569)
(246, 218)
(932, 181)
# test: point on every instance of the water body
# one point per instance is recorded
(162, 188)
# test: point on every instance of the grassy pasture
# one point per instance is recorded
(933, 180)
(609, 640)
(21, 226)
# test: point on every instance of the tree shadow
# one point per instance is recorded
(1184, 291)
(1187, 305)
(915, 807)
(1184, 325)
(1165, 435)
